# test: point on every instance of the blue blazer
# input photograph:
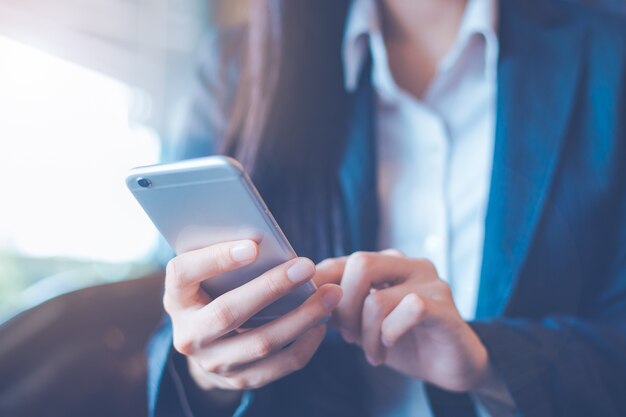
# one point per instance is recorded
(552, 299)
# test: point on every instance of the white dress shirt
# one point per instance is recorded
(435, 161)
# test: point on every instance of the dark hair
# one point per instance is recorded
(289, 117)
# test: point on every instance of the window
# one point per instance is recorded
(67, 139)
(88, 89)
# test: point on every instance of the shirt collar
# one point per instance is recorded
(480, 17)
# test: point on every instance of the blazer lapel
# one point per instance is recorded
(538, 71)
(357, 173)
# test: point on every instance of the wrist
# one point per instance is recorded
(484, 375)
(204, 390)
(202, 395)
(486, 378)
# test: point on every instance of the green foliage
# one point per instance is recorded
(25, 282)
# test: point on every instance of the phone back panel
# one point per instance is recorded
(205, 201)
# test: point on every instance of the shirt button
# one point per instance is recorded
(433, 243)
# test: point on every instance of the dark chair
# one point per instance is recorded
(81, 354)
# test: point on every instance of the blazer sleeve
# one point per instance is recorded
(575, 364)
(564, 365)
(331, 385)
(168, 392)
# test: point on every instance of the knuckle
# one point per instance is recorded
(238, 383)
(173, 272)
(254, 382)
(221, 256)
(442, 287)
(226, 370)
(168, 304)
(428, 266)
(275, 285)
(210, 367)
(183, 346)
(223, 319)
(262, 346)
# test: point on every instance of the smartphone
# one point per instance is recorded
(201, 202)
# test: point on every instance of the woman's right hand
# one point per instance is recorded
(205, 330)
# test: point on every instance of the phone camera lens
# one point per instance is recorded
(144, 182)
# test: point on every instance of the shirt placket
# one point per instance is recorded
(433, 238)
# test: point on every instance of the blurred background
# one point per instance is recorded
(89, 89)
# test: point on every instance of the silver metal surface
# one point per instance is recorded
(201, 202)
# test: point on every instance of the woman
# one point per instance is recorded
(481, 140)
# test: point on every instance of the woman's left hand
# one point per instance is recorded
(402, 315)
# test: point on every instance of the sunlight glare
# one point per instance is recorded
(66, 143)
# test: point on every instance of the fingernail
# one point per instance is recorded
(331, 298)
(243, 252)
(300, 271)
(386, 341)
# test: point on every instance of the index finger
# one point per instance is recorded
(233, 308)
(330, 271)
(363, 272)
(185, 272)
